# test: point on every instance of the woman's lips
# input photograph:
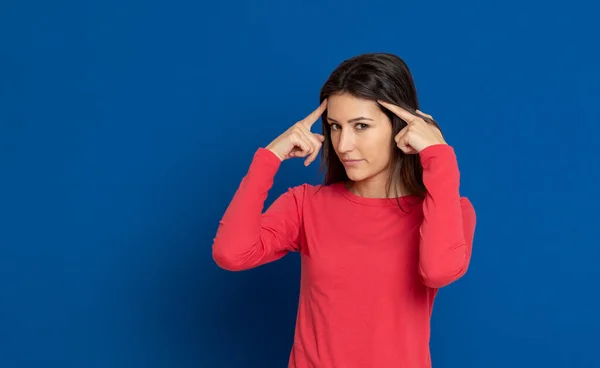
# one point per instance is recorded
(351, 162)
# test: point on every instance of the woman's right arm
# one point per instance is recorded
(247, 237)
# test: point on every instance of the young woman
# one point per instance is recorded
(384, 232)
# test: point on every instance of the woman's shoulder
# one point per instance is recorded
(314, 192)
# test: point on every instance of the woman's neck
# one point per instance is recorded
(375, 188)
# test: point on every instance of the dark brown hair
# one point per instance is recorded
(376, 76)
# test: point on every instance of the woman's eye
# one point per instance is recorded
(359, 126)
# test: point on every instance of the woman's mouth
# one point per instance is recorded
(351, 162)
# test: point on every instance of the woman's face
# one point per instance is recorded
(361, 135)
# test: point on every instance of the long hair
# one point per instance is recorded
(376, 76)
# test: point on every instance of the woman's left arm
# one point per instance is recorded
(448, 227)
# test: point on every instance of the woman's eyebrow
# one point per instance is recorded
(351, 120)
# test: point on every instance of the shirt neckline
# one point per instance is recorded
(405, 199)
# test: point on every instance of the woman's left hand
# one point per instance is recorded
(418, 134)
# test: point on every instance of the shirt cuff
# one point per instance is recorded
(436, 152)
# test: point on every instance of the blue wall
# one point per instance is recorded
(117, 118)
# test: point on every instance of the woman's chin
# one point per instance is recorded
(356, 175)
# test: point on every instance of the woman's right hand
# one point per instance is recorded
(298, 140)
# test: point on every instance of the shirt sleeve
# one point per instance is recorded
(448, 227)
(247, 237)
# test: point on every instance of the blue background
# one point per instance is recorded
(127, 126)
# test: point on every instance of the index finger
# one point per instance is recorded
(399, 111)
(314, 116)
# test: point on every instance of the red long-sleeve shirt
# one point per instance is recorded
(370, 272)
